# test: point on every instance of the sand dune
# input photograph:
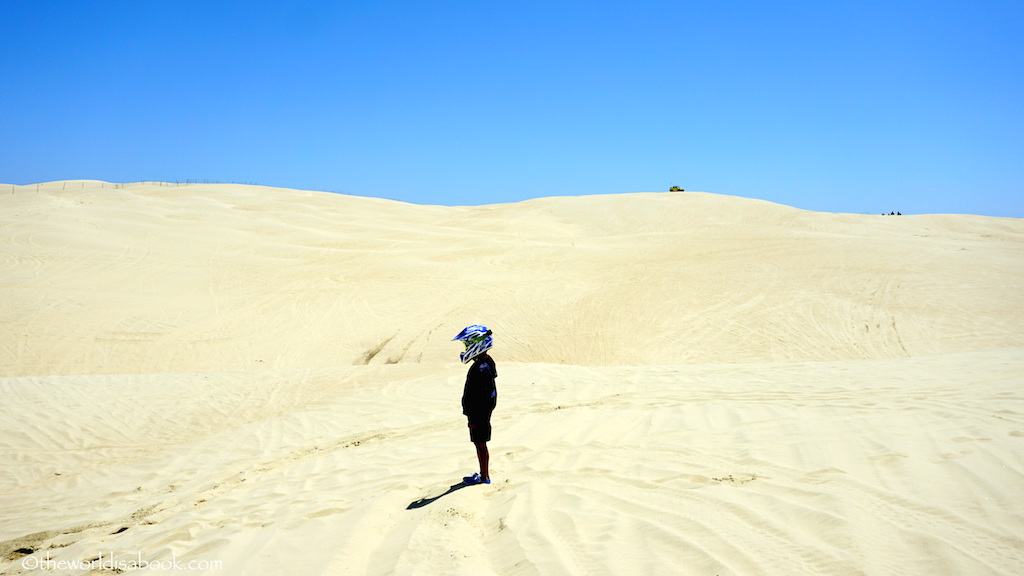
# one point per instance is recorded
(261, 381)
(213, 278)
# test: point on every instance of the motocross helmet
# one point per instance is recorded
(477, 339)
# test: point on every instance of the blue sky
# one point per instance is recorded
(842, 106)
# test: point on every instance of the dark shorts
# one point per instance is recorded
(480, 428)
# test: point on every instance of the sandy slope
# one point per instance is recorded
(690, 384)
(226, 277)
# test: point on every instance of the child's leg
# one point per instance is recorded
(484, 457)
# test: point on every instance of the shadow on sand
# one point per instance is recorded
(424, 501)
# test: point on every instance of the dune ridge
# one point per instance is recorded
(261, 381)
(210, 277)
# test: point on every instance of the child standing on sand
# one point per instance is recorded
(480, 394)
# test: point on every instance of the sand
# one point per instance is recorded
(222, 379)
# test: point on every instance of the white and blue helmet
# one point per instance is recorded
(477, 339)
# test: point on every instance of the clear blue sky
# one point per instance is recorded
(843, 106)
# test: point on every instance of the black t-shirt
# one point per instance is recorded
(480, 394)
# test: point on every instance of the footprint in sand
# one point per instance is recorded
(822, 476)
(888, 457)
(736, 480)
(325, 512)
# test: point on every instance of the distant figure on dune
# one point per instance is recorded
(480, 395)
